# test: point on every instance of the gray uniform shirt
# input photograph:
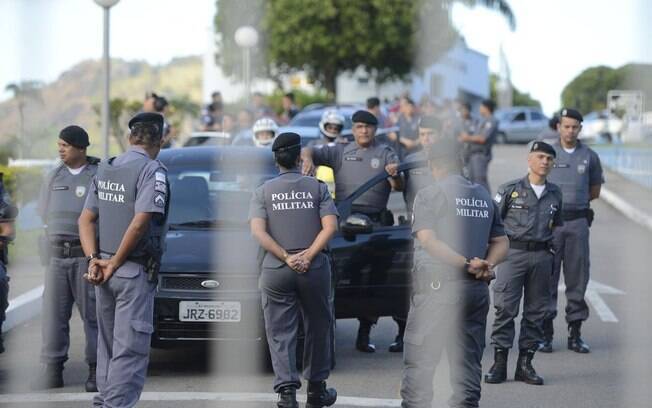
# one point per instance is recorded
(353, 165)
(575, 173)
(488, 128)
(461, 213)
(417, 178)
(526, 217)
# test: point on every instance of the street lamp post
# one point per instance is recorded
(246, 37)
(106, 62)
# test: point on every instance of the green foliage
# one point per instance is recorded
(518, 98)
(22, 183)
(301, 99)
(588, 91)
(387, 38)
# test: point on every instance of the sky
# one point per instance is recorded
(554, 40)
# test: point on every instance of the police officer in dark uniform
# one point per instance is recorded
(530, 208)
(429, 133)
(128, 204)
(61, 202)
(578, 172)
(459, 240)
(293, 217)
(353, 164)
(479, 144)
(8, 213)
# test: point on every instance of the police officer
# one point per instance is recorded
(530, 208)
(354, 164)
(479, 144)
(61, 202)
(578, 172)
(330, 130)
(417, 178)
(293, 217)
(550, 134)
(128, 204)
(459, 239)
(8, 213)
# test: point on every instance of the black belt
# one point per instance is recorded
(530, 245)
(67, 249)
(570, 215)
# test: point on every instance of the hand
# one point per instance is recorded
(477, 267)
(392, 136)
(392, 169)
(104, 270)
(298, 262)
(307, 166)
(92, 275)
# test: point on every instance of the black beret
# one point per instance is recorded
(543, 147)
(149, 118)
(74, 135)
(571, 113)
(286, 141)
(364, 116)
(430, 122)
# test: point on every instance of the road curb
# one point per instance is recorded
(626, 208)
(23, 308)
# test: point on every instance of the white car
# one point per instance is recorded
(601, 126)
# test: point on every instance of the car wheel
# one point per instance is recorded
(501, 138)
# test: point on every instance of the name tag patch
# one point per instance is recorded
(60, 188)
(352, 158)
(561, 165)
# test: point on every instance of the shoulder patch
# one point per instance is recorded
(159, 200)
(498, 198)
(160, 176)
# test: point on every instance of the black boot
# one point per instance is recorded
(498, 372)
(287, 397)
(548, 331)
(52, 377)
(397, 345)
(575, 341)
(91, 381)
(524, 370)
(362, 342)
(320, 396)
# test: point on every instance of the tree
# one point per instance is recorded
(587, 92)
(518, 98)
(22, 93)
(387, 38)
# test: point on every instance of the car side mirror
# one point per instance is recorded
(357, 224)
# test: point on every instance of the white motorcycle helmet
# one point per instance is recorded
(266, 125)
(331, 117)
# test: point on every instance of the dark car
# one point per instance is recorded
(208, 285)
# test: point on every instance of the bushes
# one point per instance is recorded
(22, 183)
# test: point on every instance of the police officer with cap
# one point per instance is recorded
(578, 171)
(128, 207)
(8, 213)
(478, 145)
(293, 217)
(354, 164)
(61, 201)
(531, 209)
(459, 240)
(430, 129)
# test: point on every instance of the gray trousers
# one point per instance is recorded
(528, 274)
(125, 311)
(571, 244)
(4, 293)
(454, 318)
(285, 294)
(64, 287)
(478, 169)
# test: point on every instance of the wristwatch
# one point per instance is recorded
(467, 263)
(92, 256)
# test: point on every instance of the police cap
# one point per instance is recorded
(74, 135)
(286, 141)
(149, 118)
(571, 113)
(363, 116)
(543, 147)
(430, 122)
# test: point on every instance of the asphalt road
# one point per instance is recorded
(615, 374)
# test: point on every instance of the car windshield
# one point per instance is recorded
(206, 198)
(312, 118)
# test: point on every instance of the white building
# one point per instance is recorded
(460, 73)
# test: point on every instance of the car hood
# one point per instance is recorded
(215, 251)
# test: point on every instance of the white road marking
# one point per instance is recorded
(631, 212)
(195, 396)
(23, 308)
(593, 292)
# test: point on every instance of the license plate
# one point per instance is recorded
(205, 311)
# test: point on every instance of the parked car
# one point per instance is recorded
(601, 126)
(208, 138)
(519, 124)
(208, 284)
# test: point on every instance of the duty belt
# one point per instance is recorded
(66, 249)
(570, 215)
(530, 245)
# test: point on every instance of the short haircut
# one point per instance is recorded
(372, 102)
(290, 96)
(145, 133)
(489, 104)
(287, 158)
